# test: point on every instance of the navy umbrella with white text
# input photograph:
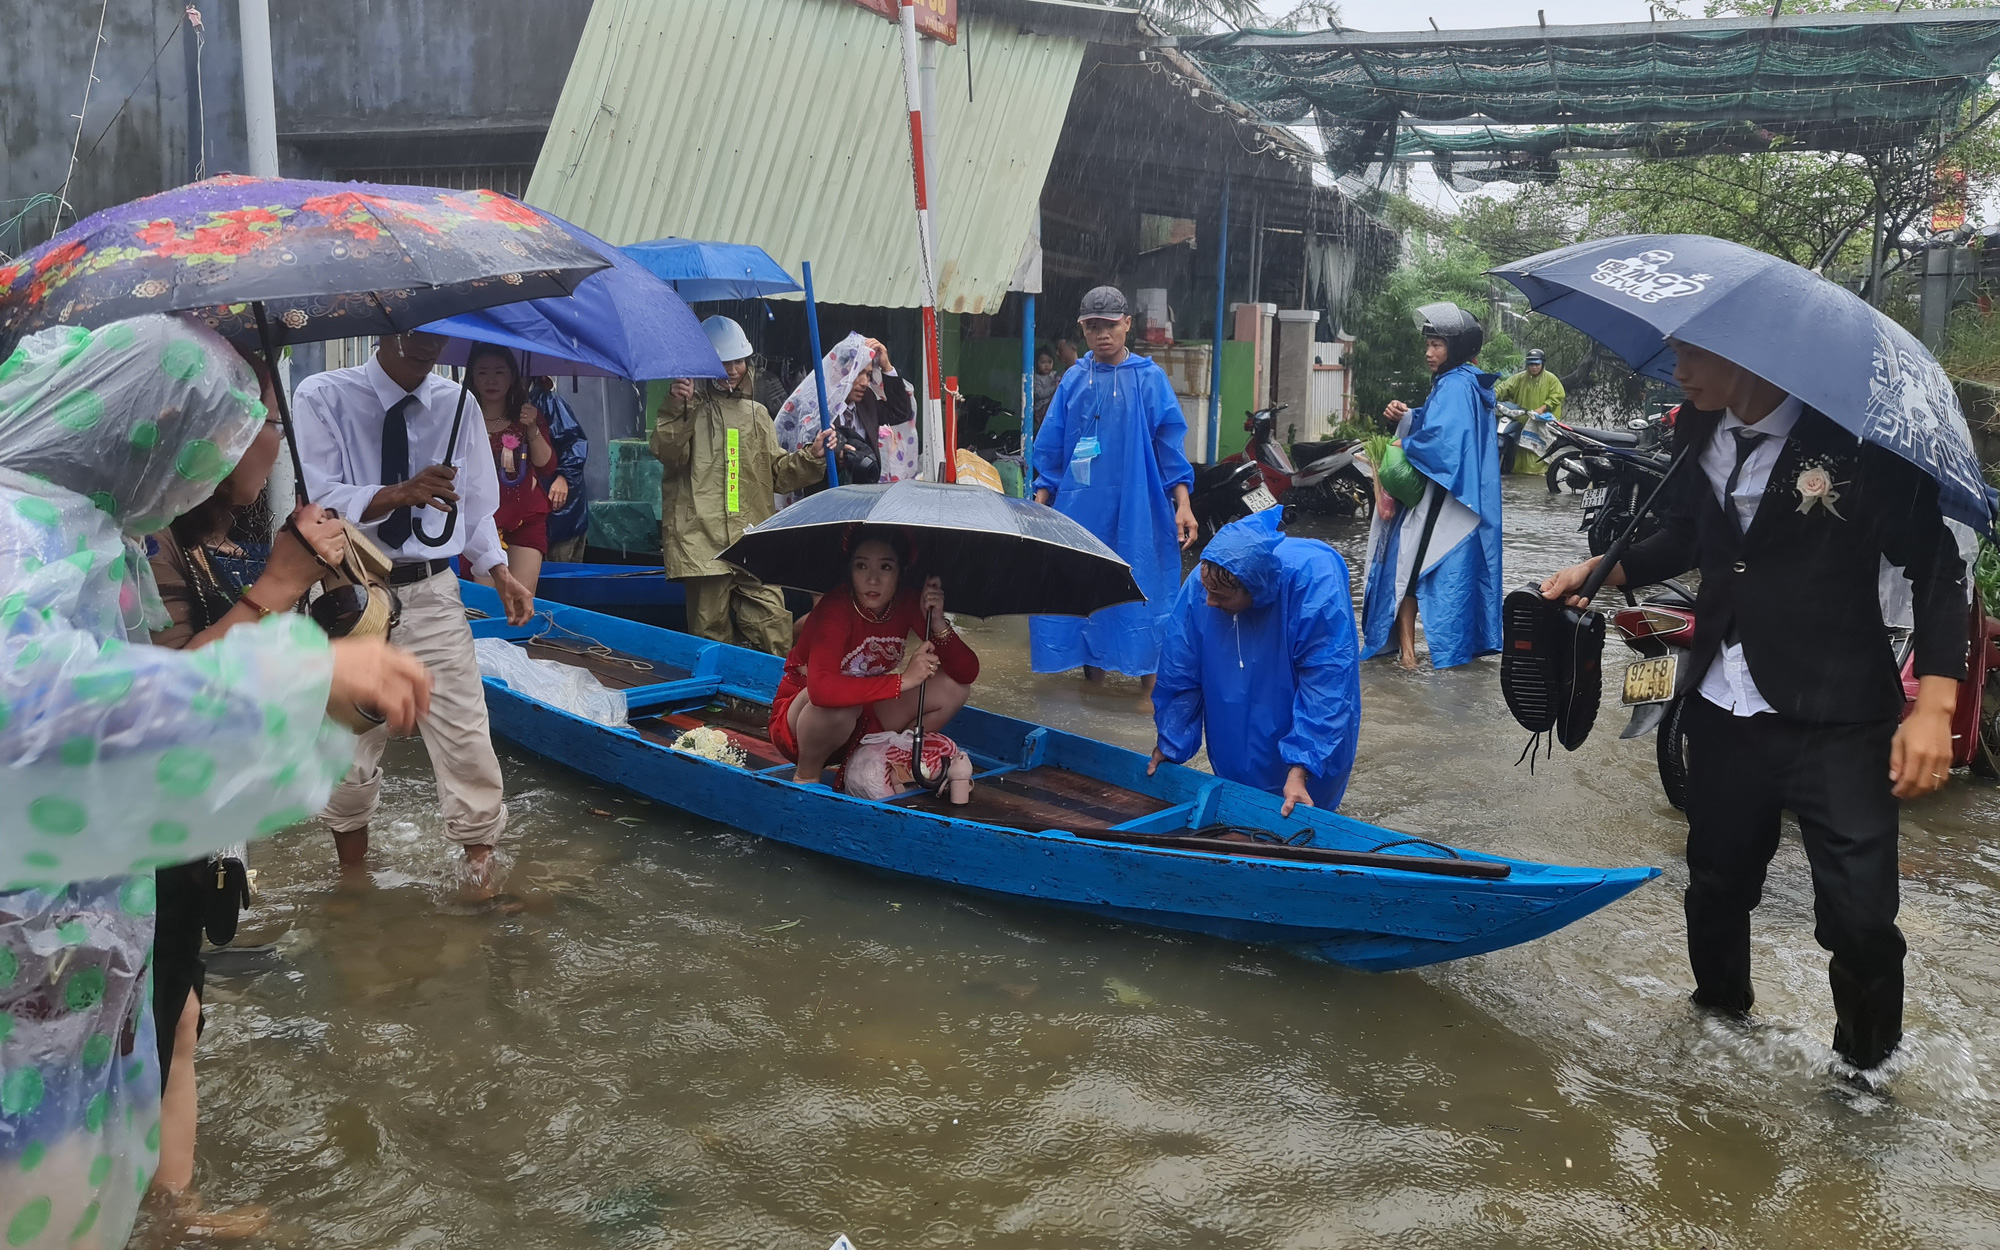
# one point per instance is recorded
(1808, 336)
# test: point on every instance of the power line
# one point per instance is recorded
(63, 196)
(200, 100)
(135, 87)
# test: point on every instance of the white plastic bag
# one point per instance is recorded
(880, 766)
(559, 685)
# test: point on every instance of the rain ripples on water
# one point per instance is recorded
(672, 1034)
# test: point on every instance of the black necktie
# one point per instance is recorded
(395, 528)
(1746, 442)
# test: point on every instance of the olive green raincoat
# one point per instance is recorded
(720, 464)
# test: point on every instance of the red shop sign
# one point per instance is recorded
(936, 18)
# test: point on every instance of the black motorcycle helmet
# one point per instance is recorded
(1459, 329)
(1535, 357)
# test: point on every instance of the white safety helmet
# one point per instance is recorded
(727, 338)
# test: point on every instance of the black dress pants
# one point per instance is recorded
(1744, 772)
(181, 895)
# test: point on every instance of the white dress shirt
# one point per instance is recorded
(339, 416)
(1727, 683)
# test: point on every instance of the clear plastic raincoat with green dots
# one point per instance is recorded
(117, 757)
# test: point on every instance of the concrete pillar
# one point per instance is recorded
(1252, 323)
(1292, 376)
(260, 109)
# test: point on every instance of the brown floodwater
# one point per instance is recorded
(673, 1034)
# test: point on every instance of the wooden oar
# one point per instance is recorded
(1435, 865)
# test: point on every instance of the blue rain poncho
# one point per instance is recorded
(572, 448)
(117, 757)
(1451, 440)
(1109, 448)
(1276, 685)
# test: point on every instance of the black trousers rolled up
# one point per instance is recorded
(1744, 773)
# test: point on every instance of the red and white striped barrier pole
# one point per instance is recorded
(934, 434)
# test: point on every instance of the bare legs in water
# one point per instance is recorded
(1095, 676)
(177, 1132)
(1406, 632)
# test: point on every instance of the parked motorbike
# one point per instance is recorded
(1575, 454)
(1624, 479)
(1660, 628)
(983, 425)
(1227, 492)
(1319, 477)
(1520, 428)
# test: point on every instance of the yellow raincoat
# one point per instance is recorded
(721, 464)
(1533, 392)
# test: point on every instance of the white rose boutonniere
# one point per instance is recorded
(1816, 489)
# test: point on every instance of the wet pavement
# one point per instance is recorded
(672, 1034)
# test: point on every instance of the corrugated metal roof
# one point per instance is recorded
(782, 123)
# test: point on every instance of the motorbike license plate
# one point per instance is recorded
(1595, 496)
(1651, 681)
(1260, 499)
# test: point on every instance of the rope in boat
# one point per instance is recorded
(590, 647)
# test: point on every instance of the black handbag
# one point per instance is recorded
(225, 882)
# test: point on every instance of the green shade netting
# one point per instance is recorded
(1824, 80)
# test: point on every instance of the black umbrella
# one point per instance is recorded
(996, 556)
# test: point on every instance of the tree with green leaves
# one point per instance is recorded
(1822, 210)
(1388, 344)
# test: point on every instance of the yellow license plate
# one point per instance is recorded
(1650, 681)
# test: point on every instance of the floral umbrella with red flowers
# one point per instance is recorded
(324, 259)
(268, 261)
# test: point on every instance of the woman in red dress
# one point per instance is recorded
(841, 680)
(522, 452)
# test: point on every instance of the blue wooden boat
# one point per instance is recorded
(612, 588)
(1055, 817)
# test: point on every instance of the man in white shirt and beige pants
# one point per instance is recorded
(373, 443)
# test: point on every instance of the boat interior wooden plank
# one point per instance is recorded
(751, 740)
(1042, 798)
(992, 805)
(1092, 789)
(616, 669)
(672, 695)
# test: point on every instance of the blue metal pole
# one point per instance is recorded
(819, 372)
(1028, 376)
(1215, 352)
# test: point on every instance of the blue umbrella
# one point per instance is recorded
(1787, 325)
(707, 271)
(621, 321)
(534, 358)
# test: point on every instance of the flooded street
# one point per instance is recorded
(673, 1034)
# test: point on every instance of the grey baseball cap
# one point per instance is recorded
(1103, 303)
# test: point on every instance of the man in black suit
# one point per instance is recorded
(1794, 696)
